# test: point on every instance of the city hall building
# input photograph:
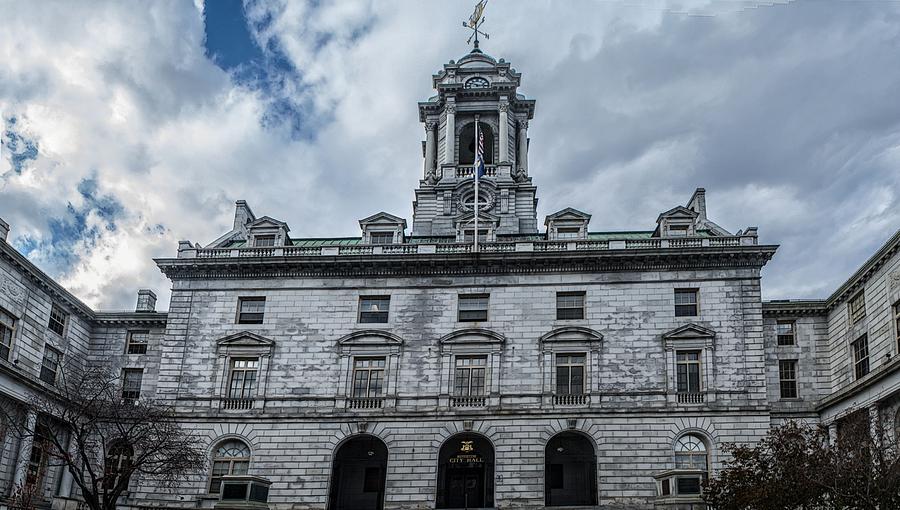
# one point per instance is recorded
(556, 366)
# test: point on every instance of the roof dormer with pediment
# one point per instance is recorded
(568, 223)
(382, 228)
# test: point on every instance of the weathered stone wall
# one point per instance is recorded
(295, 426)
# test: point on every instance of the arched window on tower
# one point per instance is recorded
(467, 144)
(231, 457)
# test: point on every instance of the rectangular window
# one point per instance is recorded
(687, 371)
(570, 374)
(473, 307)
(37, 462)
(897, 325)
(688, 484)
(50, 364)
(264, 241)
(7, 328)
(137, 342)
(242, 379)
(374, 309)
(785, 331)
(568, 232)
(469, 380)
(469, 236)
(686, 302)
(787, 378)
(381, 237)
(569, 305)
(58, 320)
(131, 383)
(857, 307)
(251, 310)
(861, 356)
(368, 377)
(678, 230)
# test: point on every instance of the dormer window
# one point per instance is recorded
(477, 83)
(568, 233)
(382, 228)
(568, 224)
(264, 241)
(381, 238)
(678, 230)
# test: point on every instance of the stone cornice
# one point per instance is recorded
(794, 308)
(131, 318)
(861, 276)
(45, 282)
(450, 264)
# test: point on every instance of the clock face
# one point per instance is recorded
(477, 83)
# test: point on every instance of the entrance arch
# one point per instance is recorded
(465, 472)
(358, 474)
(570, 474)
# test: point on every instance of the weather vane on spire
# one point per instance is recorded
(475, 22)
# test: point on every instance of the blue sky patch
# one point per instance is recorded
(67, 231)
(21, 150)
(231, 46)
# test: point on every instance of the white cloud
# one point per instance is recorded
(784, 113)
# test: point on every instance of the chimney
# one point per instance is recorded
(146, 301)
(4, 230)
(242, 215)
(697, 203)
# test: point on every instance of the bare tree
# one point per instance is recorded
(798, 466)
(103, 440)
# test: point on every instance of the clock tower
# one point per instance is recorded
(480, 89)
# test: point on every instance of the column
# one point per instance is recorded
(429, 148)
(523, 146)
(450, 135)
(25, 445)
(504, 131)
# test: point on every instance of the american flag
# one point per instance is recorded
(479, 156)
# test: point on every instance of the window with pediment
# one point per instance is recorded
(470, 360)
(689, 354)
(569, 357)
(370, 359)
(243, 362)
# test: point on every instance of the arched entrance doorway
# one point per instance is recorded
(466, 472)
(570, 475)
(357, 475)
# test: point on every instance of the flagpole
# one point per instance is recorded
(475, 173)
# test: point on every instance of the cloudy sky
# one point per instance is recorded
(129, 126)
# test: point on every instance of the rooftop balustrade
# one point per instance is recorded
(341, 250)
